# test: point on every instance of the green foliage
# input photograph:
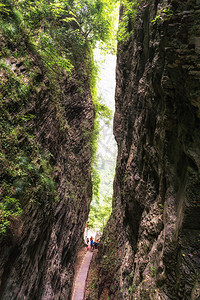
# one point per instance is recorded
(58, 31)
(9, 208)
(25, 171)
(22, 176)
(3, 9)
(130, 9)
(100, 208)
(49, 39)
(163, 15)
(101, 111)
(100, 213)
(95, 18)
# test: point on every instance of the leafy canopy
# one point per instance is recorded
(60, 30)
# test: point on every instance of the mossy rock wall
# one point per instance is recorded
(46, 127)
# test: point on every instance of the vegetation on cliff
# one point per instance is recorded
(128, 12)
(43, 43)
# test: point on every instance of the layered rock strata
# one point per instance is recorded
(37, 255)
(151, 244)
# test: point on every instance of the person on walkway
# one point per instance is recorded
(91, 243)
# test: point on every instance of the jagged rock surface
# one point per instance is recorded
(151, 244)
(37, 256)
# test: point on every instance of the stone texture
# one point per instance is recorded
(154, 229)
(37, 257)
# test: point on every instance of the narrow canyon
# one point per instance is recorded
(150, 248)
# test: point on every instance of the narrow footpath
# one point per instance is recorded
(80, 281)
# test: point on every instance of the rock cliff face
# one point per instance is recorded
(37, 255)
(151, 244)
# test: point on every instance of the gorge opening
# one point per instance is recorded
(101, 204)
(48, 108)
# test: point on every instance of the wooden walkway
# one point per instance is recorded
(79, 289)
